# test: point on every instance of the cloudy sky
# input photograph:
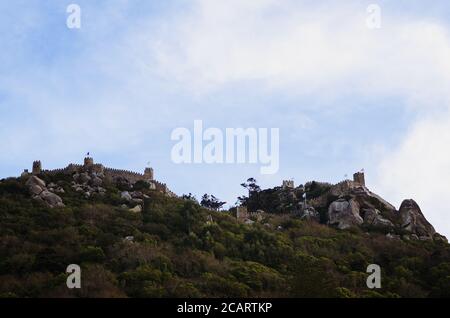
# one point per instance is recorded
(344, 96)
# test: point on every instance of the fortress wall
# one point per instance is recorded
(129, 175)
(54, 171)
(69, 169)
(112, 173)
(163, 187)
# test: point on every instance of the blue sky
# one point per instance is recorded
(344, 97)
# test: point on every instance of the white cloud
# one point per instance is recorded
(327, 51)
(420, 169)
(302, 48)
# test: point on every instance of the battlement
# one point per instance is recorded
(110, 173)
(118, 173)
(55, 171)
(88, 161)
(71, 168)
(288, 184)
(148, 173)
(358, 177)
(37, 167)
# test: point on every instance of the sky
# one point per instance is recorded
(344, 96)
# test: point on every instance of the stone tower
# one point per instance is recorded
(288, 184)
(88, 161)
(148, 173)
(37, 167)
(358, 177)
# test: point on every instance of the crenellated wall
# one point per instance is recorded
(129, 175)
(110, 173)
(359, 178)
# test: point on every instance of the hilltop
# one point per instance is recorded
(344, 205)
(133, 237)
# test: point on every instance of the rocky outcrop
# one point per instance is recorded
(35, 181)
(96, 181)
(413, 221)
(53, 200)
(125, 195)
(39, 191)
(344, 214)
(348, 204)
(88, 183)
(362, 195)
(374, 219)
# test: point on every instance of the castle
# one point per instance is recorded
(242, 214)
(288, 184)
(108, 173)
(358, 177)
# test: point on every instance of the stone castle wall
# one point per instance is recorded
(359, 178)
(109, 173)
(131, 176)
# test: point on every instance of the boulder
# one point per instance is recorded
(38, 198)
(373, 218)
(84, 178)
(39, 192)
(51, 199)
(78, 188)
(60, 190)
(96, 181)
(413, 221)
(33, 180)
(126, 196)
(137, 194)
(344, 214)
(35, 189)
(123, 183)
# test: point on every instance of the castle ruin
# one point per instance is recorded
(358, 177)
(108, 173)
(288, 184)
(37, 168)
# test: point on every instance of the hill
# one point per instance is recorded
(133, 239)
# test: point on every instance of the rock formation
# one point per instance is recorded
(413, 221)
(348, 204)
(344, 214)
(374, 219)
(39, 191)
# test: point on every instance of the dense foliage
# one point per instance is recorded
(180, 249)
